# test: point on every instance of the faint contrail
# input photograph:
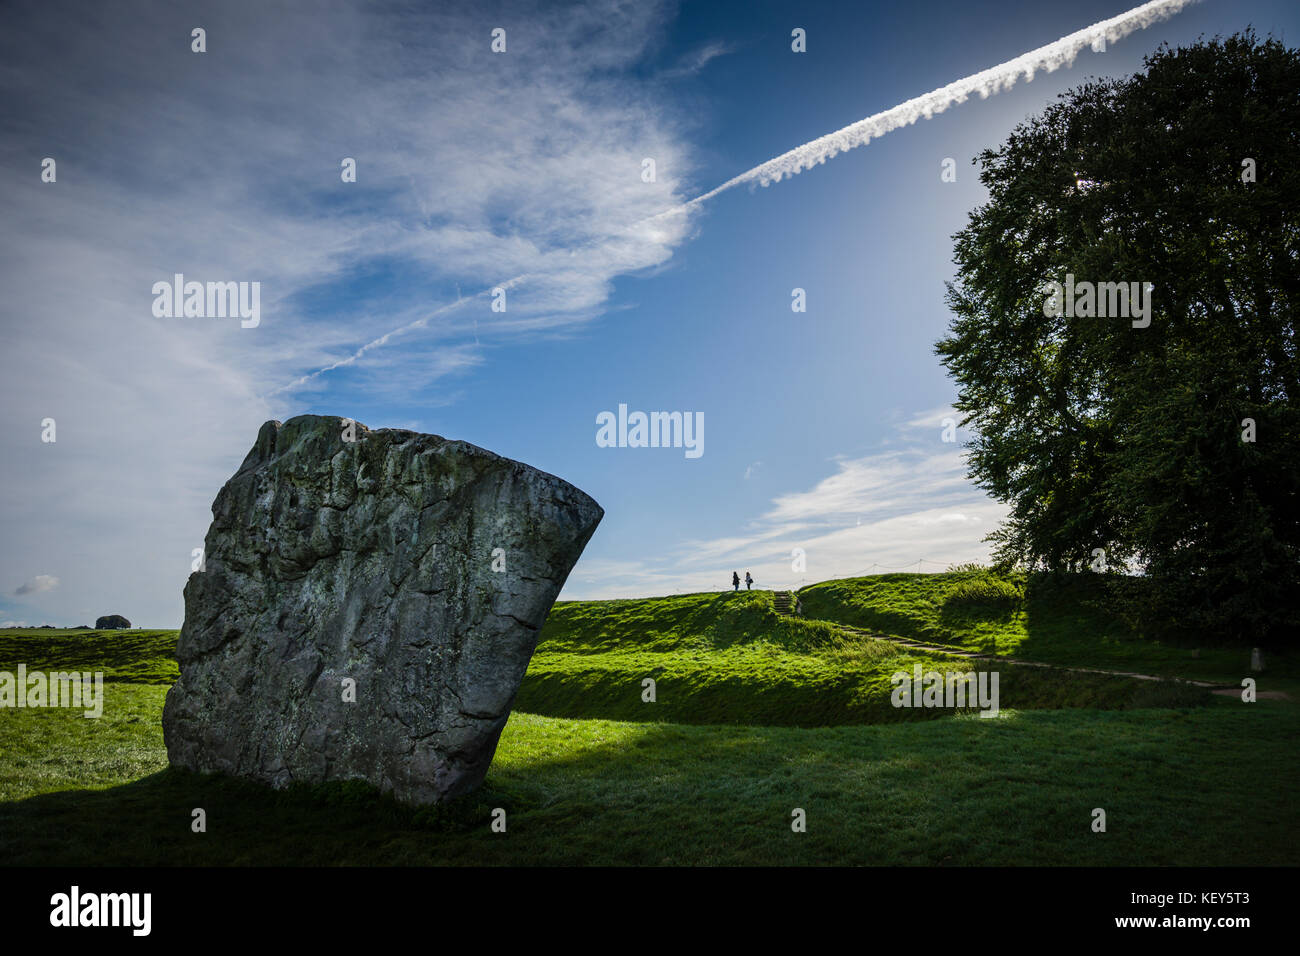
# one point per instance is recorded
(383, 339)
(993, 80)
(373, 344)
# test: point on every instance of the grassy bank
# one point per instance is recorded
(1074, 621)
(730, 658)
(755, 715)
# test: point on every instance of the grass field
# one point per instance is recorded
(1072, 622)
(755, 715)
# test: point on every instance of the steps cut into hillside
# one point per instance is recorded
(784, 603)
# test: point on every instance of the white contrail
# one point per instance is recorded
(993, 80)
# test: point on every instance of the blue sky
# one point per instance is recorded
(822, 428)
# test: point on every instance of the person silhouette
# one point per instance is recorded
(735, 580)
(749, 581)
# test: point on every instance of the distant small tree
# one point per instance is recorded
(1136, 440)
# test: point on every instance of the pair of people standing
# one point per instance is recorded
(735, 581)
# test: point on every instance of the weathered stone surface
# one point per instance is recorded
(112, 622)
(420, 568)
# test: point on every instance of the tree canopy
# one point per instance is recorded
(1173, 446)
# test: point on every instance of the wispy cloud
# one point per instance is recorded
(696, 60)
(933, 418)
(875, 485)
(474, 170)
(870, 514)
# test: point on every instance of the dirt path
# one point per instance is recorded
(941, 649)
(786, 605)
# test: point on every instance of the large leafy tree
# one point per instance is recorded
(1100, 434)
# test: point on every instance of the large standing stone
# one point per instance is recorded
(420, 568)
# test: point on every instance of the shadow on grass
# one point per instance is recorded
(1085, 619)
(149, 822)
(1180, 785)
(576, 792)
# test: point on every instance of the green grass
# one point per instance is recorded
(686, 622)
(1194, 787)
(1073, 623)
(730, 659)
(136, 657)
(755, 715)
(48, 749)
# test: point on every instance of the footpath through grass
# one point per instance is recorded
(1073, 621)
